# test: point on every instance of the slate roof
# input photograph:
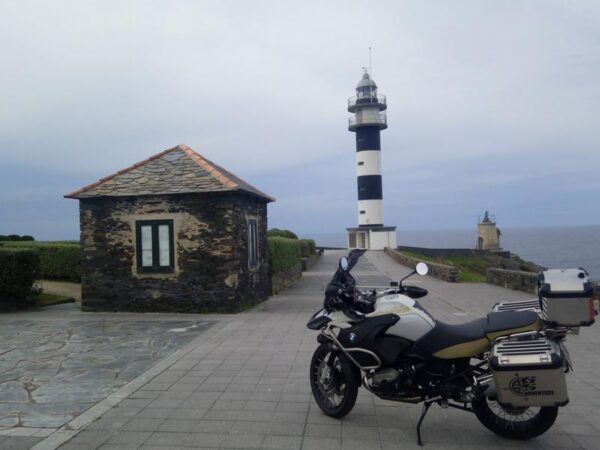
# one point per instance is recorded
(177, 170)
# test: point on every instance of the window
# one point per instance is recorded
(252, 242)
(154, 246)
(362, 211)
(361, 163)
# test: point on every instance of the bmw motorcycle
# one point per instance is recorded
(507, 368)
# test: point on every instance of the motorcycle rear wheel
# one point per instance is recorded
(514, 423)
(334, 381)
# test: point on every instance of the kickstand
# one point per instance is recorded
(426, 406)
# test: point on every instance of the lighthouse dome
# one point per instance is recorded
(366, 81)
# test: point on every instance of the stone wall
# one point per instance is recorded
(441, 271)
(310, 261)
(211, 253)
(280, 281)
(450, 252)
(513, 279)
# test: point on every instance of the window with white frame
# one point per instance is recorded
(154, 246)
(252, 242)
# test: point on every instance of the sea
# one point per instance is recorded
(551, 247)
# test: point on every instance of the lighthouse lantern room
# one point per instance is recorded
(369, 119)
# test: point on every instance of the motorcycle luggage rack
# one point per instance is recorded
(519, 305)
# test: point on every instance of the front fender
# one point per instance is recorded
(318, 320)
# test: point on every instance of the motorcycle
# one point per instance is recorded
(507, 368)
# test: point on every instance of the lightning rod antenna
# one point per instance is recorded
(370, 65)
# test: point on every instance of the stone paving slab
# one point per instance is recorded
(59, 362)
(246, 384)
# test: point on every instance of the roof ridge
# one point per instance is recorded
(120, 172)
(221, 178)
(209, 166)
(242, 180)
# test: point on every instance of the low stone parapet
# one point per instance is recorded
(513, 279)
(309, 261)
(437, 270)
(451, 252)
(280, 281)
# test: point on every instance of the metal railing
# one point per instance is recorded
(379, 118)
(376, 99)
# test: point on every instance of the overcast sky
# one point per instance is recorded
(491, 105)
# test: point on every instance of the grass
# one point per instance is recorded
(466, 276)
(471, 269)
(34, 244)
(43, 299)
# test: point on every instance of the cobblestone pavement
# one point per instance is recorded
(246, 385)
(58, 362)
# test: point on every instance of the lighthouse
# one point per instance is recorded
(367, 122)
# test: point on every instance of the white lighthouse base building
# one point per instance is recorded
(372, 238)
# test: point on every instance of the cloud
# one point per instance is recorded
(485, 99)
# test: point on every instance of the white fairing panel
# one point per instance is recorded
(339, 319)
(413, 324)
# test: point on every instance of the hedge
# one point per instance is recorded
(309, 247)
(19, 268)
(58, 261)
(16, 238)
(284, 253)
(276, 232)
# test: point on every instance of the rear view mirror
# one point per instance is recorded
(422, 268)
(344, 263)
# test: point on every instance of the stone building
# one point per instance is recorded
(174, 232)
(488, 233)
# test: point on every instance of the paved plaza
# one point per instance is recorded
(243, 383)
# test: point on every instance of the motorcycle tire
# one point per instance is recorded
(535, 424)
(341, 379)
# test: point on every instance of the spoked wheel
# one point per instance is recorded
(333, 380)
(520, 423)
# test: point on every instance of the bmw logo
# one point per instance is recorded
(352, 337)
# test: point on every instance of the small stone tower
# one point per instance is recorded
(488, 234)
(368, 120)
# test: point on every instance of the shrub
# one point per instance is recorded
(16, 238)
(276, 232)
(284, 253)
(58, 261)
(19, 268)
(308, 247)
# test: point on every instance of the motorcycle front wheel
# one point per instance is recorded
(519, 423)
(333, 380)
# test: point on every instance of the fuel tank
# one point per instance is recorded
(414, 321)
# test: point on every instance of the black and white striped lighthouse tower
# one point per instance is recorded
(369, 119)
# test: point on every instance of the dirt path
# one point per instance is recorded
(64, 288)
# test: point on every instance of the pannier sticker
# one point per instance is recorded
(526, 387)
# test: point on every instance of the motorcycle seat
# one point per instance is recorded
(498, 323)
(445, 335)
(447, 341)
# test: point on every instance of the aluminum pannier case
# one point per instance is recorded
(566, 297)
(529, 373)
